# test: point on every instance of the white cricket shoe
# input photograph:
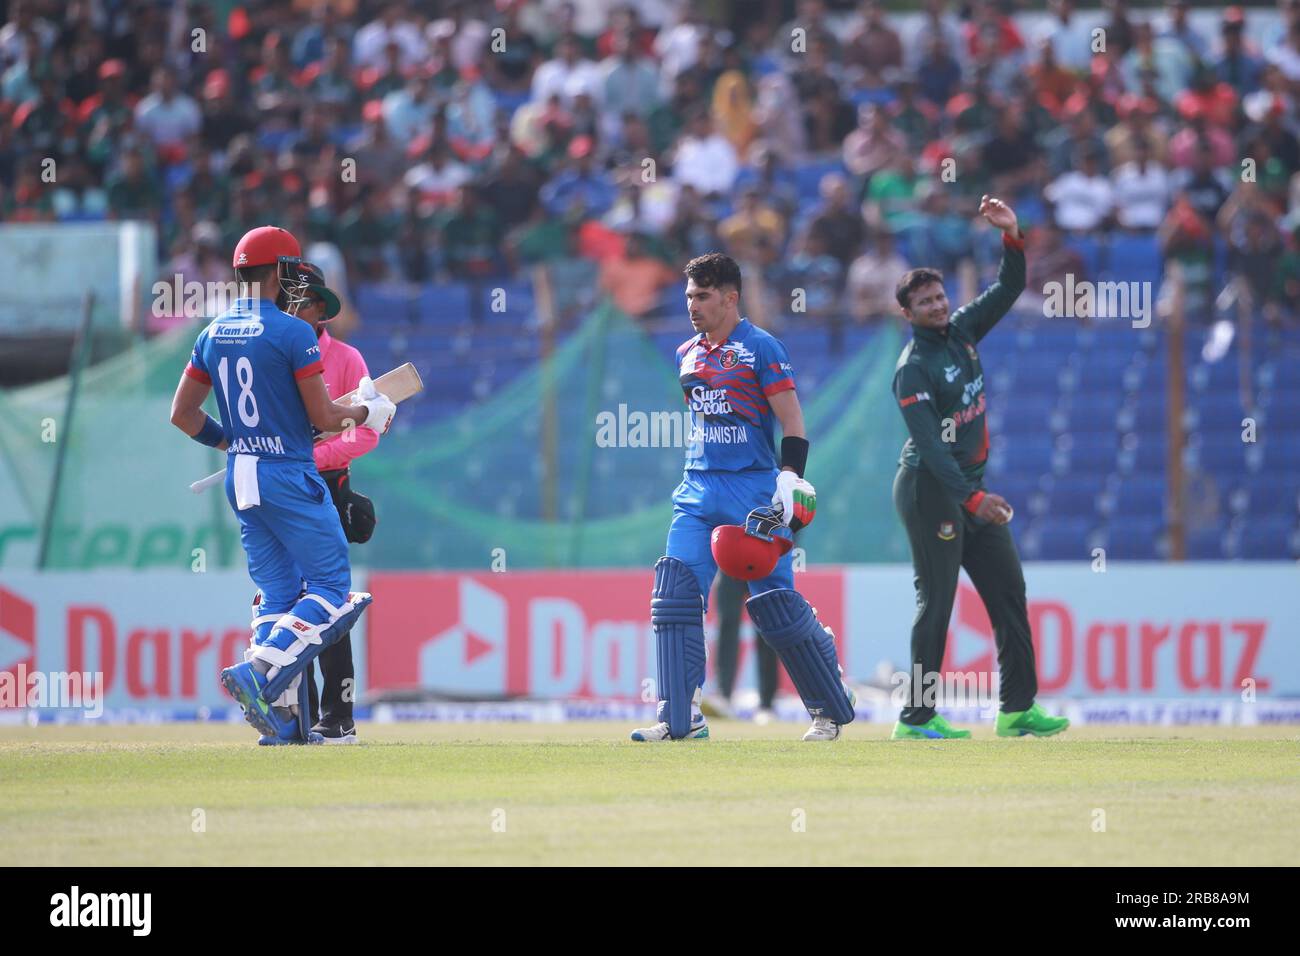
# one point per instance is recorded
(764, 716)
(699, 731)
(823, 728)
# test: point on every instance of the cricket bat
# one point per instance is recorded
(399, 385)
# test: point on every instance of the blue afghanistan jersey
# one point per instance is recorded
(726, 388)
(253, 356)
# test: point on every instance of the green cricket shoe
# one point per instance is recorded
(1034, 721)
(936, 728)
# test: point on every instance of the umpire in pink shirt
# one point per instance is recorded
(344, 369)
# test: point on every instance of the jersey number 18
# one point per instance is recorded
(247, 403)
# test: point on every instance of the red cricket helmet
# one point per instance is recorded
(264, 246)
(750, 552)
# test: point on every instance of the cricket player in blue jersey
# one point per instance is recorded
(736, 509)
(265, 365)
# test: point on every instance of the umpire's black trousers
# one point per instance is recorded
(946, 538)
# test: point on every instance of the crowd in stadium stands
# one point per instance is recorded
(811, 141)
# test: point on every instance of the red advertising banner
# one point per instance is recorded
(580, 634)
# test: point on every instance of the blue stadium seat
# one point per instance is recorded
(1206, 543)
(1218, 455)
(1028, 455)
(1063, 539)
(1094, 452)
(1090, 250)
(1074, 495)
(1134, 539)
(1091, 411)
(1280, 457)
(1141, 495)
(443, 303)
(1266, 538)
(1027, 416)
(1273, 494)
(1134, 258)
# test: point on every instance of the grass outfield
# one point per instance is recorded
(583, 794)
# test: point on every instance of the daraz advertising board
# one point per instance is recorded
(159, 639)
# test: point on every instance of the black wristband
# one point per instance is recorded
(794, 454)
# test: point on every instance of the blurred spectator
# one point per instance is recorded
(990, 32)
(409, 111)
(917, 119)
(566, 74)
(471, 234)
(704, 159)
(1053, 83)
(392, 26)
(837, 223)
(23, 21)
(437, 179)
(1176, 26)
(167, 116)
(629, 83)
(818, 274)
(693, 231)
(1186, 242)
(580, 183)
(892, 196)
(41, 123)
(872, 277)
(1167, 58)
(776, 183)
(1049, 259)
(755, 233)
(1137, 128)
(328, 81)
(512, 188)
(941, 25)
(366, 236)
(1198, 135)
(1207, 96)
(510, 71)
(942, 236)
(380, 158)
(733, 109)
(471, 118)
(133, 191)
(874, 49)
(874, 145)
(29, 201)
(1286, 55)
(777, 113)
(1238, 64)
(937, 72)
(1141, 190)
(1065, 143)
(1069, 38)
(76, 198)
(636, 279)
(1010, 155)
(1082, 198)
(1204, 188)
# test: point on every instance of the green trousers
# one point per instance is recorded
(946, 538)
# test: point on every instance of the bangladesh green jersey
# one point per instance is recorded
(939, 385)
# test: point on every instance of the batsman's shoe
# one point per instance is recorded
(699, 731)
(268, 741)
(823, 728)
(1034, 721)
(246, 685)
(336, 733)
(936, 728)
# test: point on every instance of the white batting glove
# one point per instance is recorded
(795, 499)
(379, 407)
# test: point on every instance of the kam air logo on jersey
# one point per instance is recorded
(236, 328)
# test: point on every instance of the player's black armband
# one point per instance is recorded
(210, 434)
(794, 454)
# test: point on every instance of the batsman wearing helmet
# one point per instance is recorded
(265, 365)
(952, 521)
(738, 382)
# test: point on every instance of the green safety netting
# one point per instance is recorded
(523, 479)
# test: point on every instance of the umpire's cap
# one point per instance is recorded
(315, 281)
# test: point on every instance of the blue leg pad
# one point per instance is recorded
(677, 614)
(787, 622)
(335, 631)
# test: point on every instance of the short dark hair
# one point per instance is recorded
(713, 271)
(913, 280)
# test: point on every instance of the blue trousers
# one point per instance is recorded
(293, 539)
(706, 499)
